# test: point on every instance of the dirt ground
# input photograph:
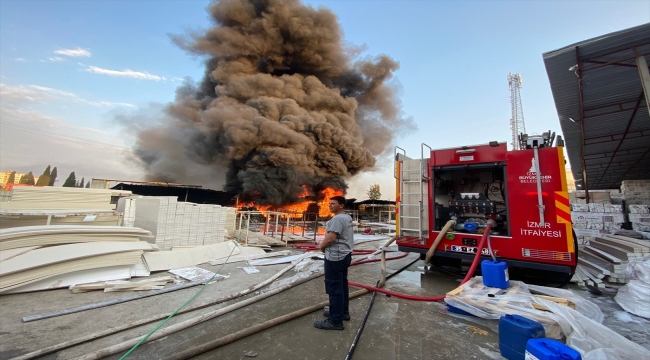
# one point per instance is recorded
(396, 328)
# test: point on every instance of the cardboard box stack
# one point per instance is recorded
(598, 217)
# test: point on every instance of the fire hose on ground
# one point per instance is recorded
(273, 322)
(469, 275)
(214, 344)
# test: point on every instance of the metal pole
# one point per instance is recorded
(540, 203)
(582, 125)
(248, 223)
(286, 242)
(644, 74)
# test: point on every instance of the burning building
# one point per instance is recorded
(284, 114)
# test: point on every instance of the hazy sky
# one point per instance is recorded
(69, 69)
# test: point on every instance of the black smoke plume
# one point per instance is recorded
(282, 106)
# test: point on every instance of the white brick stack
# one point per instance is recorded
(598, 217)
(637, 199)
(636, 192)
(639, 216)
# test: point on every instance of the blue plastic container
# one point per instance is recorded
(495, 274)
(456, 310)
(514, 333)
(549, 349)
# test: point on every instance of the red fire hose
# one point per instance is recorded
(469, 275)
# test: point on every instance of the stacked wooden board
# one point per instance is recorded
(60, 198)
(604, 261)
(43, 257)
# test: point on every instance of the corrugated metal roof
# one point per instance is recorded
(614, 111)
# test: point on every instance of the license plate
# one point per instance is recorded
(469, 250)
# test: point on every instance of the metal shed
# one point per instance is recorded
(601, 89)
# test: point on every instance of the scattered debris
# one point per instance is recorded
(251, 270)
(634, 296)
(194, 273)
(283, 260)
(176, 259)
(156, 283)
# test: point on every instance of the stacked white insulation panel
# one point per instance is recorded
(176, 223)
(126, 206)
(156, 214)
(20, 218)
(46, 257)
(35, 206)
(58, 198)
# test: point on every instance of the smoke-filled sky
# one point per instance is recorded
(283, 106)
(71, 69)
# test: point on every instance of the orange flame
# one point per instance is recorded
(296, 210)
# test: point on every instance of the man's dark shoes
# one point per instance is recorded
(327, 325)
(346, 317)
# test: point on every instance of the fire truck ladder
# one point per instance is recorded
(413, 189)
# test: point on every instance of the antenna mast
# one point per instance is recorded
(517, 124)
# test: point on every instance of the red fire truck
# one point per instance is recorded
(524, 191)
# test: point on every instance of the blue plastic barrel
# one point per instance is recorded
(514, 333)
(549, 349)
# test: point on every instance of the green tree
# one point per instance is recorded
(71, 181)
(12, 178)
(88, 185)
(27, 179)
(81, 183)
(53, 176)
(44, 179)
(374, 192)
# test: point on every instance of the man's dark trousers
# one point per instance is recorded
(336, 286)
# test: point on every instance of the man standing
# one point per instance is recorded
(337, 246)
